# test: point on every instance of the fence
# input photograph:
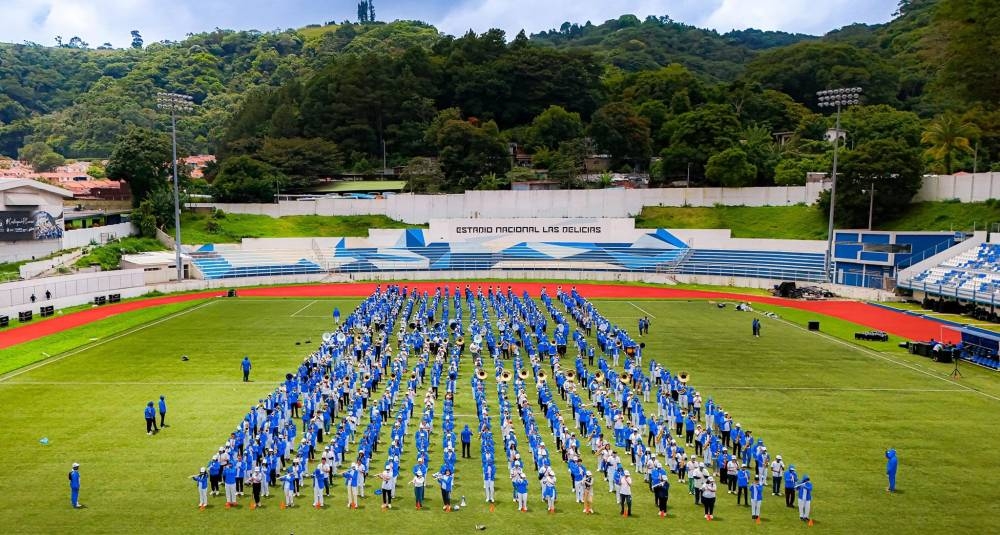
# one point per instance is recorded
(100, 235)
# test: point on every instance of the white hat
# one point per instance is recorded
(202, 471)
(778, 457)
(215, 457)
(76, 465)
(626, 473)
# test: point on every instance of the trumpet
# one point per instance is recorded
(505, 377)
(683, 377)
(625, 378)
(481, 374)
(523, 373)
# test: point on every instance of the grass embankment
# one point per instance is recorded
(231, 228)
(109, 256)
(803, 222)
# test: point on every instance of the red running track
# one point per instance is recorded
(897, 323)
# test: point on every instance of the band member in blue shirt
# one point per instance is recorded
(163, 410)
(74, 486)
(466, 442)
(245, 365)
(891, 465)
(201, 480)
(150, 414)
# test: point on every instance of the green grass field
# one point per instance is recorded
(801, 222)
(828, 406)
(199, 228)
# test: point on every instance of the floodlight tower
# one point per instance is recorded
(176, 103)
(835, 98)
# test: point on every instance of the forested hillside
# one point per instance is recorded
(282, 109)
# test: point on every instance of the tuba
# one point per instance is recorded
(683, 377)
(413, 375)
(570, 376)
(599, 377)
(481, 374)
(625, 378)
(523, 373)
(505, 377)
(542, 376)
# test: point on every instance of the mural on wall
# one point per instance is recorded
(29, 226)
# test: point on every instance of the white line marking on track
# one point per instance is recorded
(46, 362)
(311, 303)
(834, 389)
(120, 383)
(646, 312)
(872, 354)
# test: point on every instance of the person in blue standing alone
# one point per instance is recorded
(246, 368)
(466, 442)
(163, 411)
(150, 414)
(74, 486)
(891, 464)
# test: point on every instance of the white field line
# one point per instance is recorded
(309, 304)
(646, 312)
(46, 362)
(873, 355)
(834, 389)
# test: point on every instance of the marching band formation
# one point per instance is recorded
(326, 420)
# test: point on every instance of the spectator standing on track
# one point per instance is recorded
(163, 410)
(74, 486)
(245, 365)
(150, 414)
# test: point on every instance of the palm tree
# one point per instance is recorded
(946, 135)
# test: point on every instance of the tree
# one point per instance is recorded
(423, 175)
(76, 42)
(948, 134)
(730, 168)
(555, 125)
(893, 167)
(969, 61)
(694, 136)
(303, 161)
(618, 129)
(142, 158)
(244, 179)
(136, 39)
(366, 11)
(145, 218)
(468, 152)
(40, 156)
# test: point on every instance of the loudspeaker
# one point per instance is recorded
(4, 321)
(231, 293)
(24, 316)
(115, 298)
(46, 311)
(100, 300)
(813, 325)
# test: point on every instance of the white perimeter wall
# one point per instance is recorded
(66, 289)
(101, 235)
(420, 209)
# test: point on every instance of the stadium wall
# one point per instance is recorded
(100, 235)
(966, 187)
(420, 209)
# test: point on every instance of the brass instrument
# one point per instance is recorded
(413, 375)
(505, 376)
(630, 351)
(392, 376)
(481, 374)
(625, 378)
(366, 377)
(683, 377)
(523, 373)
(460, 341)
(599, 377)
(542, 376)
(570, 376)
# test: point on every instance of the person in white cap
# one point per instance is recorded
(387, 486)
(256, 483)
(201, 479)
(756, 498)
(708, 491)
(74, 486)
(625, 493)
(777, 474)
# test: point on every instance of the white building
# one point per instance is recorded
(31, 219)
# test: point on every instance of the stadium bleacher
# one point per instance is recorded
(974, 274)
(776, 265)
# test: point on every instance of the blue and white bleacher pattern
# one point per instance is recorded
(657, 251)
(973, 274)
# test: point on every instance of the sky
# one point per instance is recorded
(101, 21)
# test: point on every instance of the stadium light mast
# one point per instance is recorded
(175, 103)
(835, 98)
